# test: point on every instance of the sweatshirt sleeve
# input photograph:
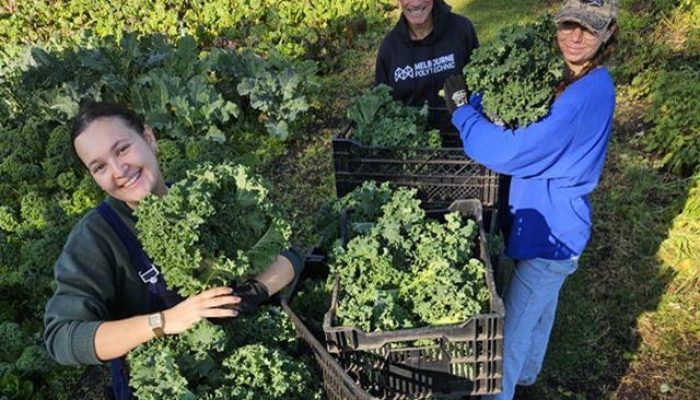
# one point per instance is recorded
(535, 150)
(296, 258)
(79, 304)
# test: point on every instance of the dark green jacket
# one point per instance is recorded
(96, 282)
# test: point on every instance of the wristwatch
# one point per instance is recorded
(156, 322)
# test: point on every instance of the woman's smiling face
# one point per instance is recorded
(122, 162)
(578, 45)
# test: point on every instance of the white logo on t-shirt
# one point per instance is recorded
(403, 73)
(425, 68)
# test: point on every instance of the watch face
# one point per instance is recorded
(155, 320)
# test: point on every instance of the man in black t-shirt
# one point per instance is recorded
(427, 45)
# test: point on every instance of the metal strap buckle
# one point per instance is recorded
(150, 276)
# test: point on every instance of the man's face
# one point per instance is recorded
(416, 12)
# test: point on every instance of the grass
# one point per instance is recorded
(488, 16)
(666, 365)
(597, 333)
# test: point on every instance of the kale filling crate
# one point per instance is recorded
(441, 172)
(437, 356)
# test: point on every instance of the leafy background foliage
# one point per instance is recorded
(659, 60)
(317, 30)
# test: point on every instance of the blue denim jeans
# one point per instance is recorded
(531, 305)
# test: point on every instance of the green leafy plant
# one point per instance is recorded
(318, 30)
(215, 362)
(260, 372)
(379, 120)
(363, 205)
(517, 73)
(311, 302)
(676, 131)
(278, 89)
(26, 370)
(212, 228)
(406, 271)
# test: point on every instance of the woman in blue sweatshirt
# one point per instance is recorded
(555, 164)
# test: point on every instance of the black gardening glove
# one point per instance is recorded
(456, 93)
(252, 294)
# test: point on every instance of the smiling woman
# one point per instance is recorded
(121, 159)
(109, 297)
(419, 17)
(554, 165)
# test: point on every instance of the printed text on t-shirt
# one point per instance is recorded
(424, 68)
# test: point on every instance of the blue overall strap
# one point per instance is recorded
(159, 297)
(120, 380)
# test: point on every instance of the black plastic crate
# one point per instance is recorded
(441, 175)
(342, 379)
(461, 359)
(338, 384)
(441, 119)
(336, 381)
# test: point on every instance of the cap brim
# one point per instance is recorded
(592, 22)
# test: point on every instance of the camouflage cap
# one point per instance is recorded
(595, 15)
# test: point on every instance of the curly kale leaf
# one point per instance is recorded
(248, 358)
(212, 228)
(178, 367)
(270, 326)
(14, 341)
(311, 303)
(364, 203)
(279, 92)
(381, 121)
(407, 271)
(517, 73)
(257, 372)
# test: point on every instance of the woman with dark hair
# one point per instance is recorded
(427, 45)
(109, 297)
(555, 164)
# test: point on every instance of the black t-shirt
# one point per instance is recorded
(418, 69)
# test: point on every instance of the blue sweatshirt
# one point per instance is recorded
(554, 163)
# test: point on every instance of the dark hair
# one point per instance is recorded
(604, 53)
(94, 110)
